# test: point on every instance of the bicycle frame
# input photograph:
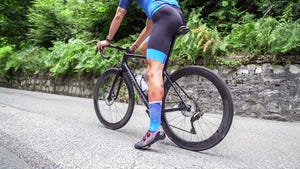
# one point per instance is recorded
(126, 69)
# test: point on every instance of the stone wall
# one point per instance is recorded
(262, 91)
(81, 85)
(266, 91)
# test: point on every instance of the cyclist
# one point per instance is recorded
(164, 17)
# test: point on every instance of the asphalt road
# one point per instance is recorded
(39, 130)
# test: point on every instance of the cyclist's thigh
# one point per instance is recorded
(166, 21)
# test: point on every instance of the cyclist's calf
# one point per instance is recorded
(155, 78)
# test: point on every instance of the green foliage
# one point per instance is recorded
(285, 38)
(228, 62)
(13, 22)
(223, 14)
(63, 33)
(64, 59)
(55, 20)
(226, 15)
(77, 56)
(264, 36)
(5, 53)
(187, 5)
(203, 39)
(184, 51)
(276, 8)
(29, 60)
(65, 56)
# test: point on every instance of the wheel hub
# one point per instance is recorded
(191, 108)
(109, 100)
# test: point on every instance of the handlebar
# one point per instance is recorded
(120, 48)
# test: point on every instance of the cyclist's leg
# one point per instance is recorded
(155, 92)
(165, 23)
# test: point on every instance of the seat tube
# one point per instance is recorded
(170, 52)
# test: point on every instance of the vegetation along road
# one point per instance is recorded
(39, 130)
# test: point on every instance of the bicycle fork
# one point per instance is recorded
(111, 96)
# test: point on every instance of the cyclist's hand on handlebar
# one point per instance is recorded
(133, 48)
(102, 44)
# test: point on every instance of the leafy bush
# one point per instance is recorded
(196, 46)
(264, 36)
(62, 20)
(226, 15)
(29, 60)
(285, 38)
(64, 57)
(276, 8)
(220, 29)
(54, 20)
(5, 53)
(77, 56)
(13, 22)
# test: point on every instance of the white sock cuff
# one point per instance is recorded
(160, 102)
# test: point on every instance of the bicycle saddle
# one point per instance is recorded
(182, 30)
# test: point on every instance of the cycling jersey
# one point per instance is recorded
(149, 6)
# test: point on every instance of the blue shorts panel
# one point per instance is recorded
(156, 55)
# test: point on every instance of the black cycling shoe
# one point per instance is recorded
(150, 138)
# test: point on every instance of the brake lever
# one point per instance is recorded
(101, 53)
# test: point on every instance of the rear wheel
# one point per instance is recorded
(197, 109)
(113, 99)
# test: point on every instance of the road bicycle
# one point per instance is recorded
(197, 107)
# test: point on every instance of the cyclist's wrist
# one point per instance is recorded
(134, 46)
(108, 39)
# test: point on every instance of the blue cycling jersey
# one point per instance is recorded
(149, 6)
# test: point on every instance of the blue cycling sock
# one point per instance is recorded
(155, 115)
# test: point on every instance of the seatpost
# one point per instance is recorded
(170, 52)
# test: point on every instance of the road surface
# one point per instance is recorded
(39, 130)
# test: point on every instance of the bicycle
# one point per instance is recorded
(190, 117)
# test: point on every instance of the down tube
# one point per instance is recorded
(135, 84)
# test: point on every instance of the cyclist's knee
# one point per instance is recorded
(154, 69)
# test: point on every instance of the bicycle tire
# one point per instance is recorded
(210, 85)
(108, 110)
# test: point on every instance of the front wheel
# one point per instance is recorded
(197, 108)
(113, 99)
